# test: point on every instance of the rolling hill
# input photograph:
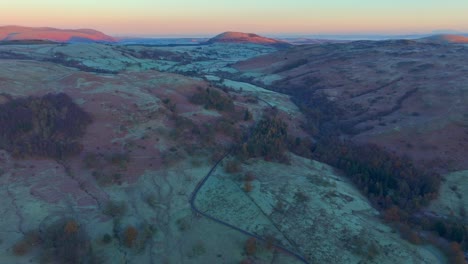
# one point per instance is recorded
(447, 38)
(384, 92)
(239, 37)
(16, 33)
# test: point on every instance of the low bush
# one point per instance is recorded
(130, 236)
(66, 241)
(251, 246)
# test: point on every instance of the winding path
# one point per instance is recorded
(194, 208)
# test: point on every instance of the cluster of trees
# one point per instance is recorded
(451, 229)
(47, 126)
(107, 168)
(158, 54)
(65, 60)
(386, 179)
(301, 146)
(321, 113)
(66, 241)
(212, 99)
(63, 241)
(269, 139)
(292, 65)
(8, 55)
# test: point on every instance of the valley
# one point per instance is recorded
(163, 118)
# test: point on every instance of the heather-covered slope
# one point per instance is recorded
(407, 96)
(391, 114)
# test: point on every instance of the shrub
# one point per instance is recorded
(270, 242)
(119, 159)
(301, 197)
(65, 241)
(106, 238)
(183, 127)
(23, 246)
(301, 146)
(151, 200)
(198, 249)
(249, 176)
(71, 227)
(247, 115)
(251, 246)
(233, 166)
(130, 236)
(407, 233)
(392, 214)
(248, 186)
(456, 253)
(183, 224)
(115, 209)
(91, 161)
(226, 127)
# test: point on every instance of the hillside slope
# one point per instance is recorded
(388, 93)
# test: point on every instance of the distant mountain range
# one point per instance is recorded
(160, 41)
(19, 33)
(239, 38)
(226, 38)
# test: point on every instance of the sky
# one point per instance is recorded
(208, 17)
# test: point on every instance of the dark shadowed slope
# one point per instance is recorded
(407, 96)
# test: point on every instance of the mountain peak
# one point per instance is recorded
(9, 33)
(241, 37)
(447, 38)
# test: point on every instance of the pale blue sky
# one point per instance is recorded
(261, 16)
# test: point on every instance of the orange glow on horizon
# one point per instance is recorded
(205, 17)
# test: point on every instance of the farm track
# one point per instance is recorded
(219, 221)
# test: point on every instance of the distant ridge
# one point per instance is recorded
(447, 38)
(309, 41)
(17, 33)
(240, 37)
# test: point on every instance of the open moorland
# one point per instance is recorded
(204, 153)
(406, 95)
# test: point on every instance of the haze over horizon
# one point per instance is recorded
(274, 17)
